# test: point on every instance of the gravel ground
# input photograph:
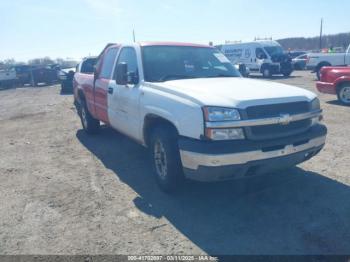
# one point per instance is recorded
(63, 192)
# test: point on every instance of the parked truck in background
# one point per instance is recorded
(266, 57)
(66, 76)
(35, 74)
(316, 61)
(195, 113)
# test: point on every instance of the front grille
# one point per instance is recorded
(264, 111)
(275, 110)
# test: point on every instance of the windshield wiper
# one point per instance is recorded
(175, 77)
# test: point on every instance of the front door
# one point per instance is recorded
(260, 57)
(124, 111)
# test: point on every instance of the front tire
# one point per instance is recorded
(266, 72)
(90, 124)
(344, 94)
(165, 157)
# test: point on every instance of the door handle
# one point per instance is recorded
(110, 90)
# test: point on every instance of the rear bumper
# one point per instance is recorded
(212, 161)
(327, 88)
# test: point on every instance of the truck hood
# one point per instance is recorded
(235, 92)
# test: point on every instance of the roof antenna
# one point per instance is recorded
(133, 35)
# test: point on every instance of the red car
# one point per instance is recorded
(335, 81)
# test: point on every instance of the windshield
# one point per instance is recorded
(163, 63)
(274, 50)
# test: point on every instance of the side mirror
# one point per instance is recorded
(121, 74)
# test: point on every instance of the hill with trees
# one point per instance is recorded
(313, 43)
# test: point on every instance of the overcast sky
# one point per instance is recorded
(77, 28)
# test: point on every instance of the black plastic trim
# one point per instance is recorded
(236, 146)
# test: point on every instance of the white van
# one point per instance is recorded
(266, 57)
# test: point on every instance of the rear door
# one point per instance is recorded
(102, 83)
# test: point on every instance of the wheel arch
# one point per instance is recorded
(322, 64)
(152, 121)
(263, 66)
(342, 83)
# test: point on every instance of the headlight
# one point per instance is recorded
(315, 104)
(225, 133)
(222, 114)
(218, 114)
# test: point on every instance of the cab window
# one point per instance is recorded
(260, 54)
(128, 56)
(87, 66)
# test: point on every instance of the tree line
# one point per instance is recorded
(313, 43)
(44, 61)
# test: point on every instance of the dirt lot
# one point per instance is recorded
(63, 192)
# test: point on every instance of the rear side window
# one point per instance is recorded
(108, 63)
(87, 66)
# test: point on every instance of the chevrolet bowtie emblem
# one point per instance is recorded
(285, 119)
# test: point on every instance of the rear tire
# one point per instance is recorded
(343, 94)
(90, 124)
(165, 157)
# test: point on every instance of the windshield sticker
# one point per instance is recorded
(221, 58)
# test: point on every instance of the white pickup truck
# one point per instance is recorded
(318, 60)
(199, 118)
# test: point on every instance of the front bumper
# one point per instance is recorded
(223, 160)
(327, 88)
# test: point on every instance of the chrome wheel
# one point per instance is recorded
(160, 160)
(344, 95)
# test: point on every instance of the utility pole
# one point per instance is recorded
(133, 35)
(321, 31)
